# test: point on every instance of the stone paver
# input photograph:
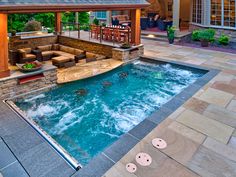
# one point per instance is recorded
(232, 106)
(221, 114)
(205, 125)
(217, 97)
(196, 105)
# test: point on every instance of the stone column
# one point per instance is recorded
(109, 14)
(176, 12)
(4, 70)
(135, 26)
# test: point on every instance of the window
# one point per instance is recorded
(101, 15)
(223, 13)
(197, 11)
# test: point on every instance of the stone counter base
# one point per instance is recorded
(12, 87)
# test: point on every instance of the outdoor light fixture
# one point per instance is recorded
(151, 36)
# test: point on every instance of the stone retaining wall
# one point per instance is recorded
(17, 42)
(128, 54)
(97, 48)
(11, 87)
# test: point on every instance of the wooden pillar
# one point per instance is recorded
(58, 23)
(135, 26)
(4, 71)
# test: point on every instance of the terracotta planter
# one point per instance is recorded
(204, 43)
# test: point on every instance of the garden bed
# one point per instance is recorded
(231, 48)
(206, 39)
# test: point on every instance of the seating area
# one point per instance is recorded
(61, 55)
(117, 34)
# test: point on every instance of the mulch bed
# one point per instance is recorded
(231, 48)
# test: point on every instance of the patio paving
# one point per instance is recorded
(200, 134)
(84, 70)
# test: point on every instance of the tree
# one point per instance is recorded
(83, 18)
(33, 26)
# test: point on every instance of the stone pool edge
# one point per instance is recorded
(112, 154)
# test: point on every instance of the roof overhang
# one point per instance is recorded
(35, 8)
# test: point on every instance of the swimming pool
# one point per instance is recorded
(87, 116)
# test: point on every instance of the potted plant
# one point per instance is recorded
(13, 33)
(125, 45)
(206, 36)
(171, 34)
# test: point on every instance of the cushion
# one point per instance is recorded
(81, 56)
(67, 49)
(26, 50)
(90, 55)
(45, 48)
(58, 53)
(55, 46)
(90, 60)
(22, 53)
(30, 56)
(69, 56)
(100, 57)
(47, 53)
(60, 59)
(78, 52)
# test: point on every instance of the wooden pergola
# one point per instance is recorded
(42, 6)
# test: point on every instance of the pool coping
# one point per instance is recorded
(113, 153)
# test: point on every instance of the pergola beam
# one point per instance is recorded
(4, 70)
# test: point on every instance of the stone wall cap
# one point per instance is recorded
(19, 74)
(133, 47)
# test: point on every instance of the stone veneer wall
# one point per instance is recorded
(11, 87)
(128, 54)
(97, 48)
(17, 42)
(219, 31)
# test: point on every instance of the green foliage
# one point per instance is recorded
(223, 40)
(83, 18)
(33, 26)
(206, 35)
(195, 35)
(96, 21)
(46, 19)
(171, 32)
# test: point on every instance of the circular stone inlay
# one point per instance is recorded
(143, 159)
(159, 143)
(131, 168)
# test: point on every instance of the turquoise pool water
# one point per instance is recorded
(87, 116)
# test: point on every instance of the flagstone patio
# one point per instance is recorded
(200, 134)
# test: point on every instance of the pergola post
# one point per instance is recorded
(4, 70)
(176, 12)
(58, 23)
(135, 26)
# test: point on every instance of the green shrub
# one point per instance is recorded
(195, 35)
(207, 35)
(33, 26)
(212, 33)
(96, 21)
(171, 32)
(223, 40)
